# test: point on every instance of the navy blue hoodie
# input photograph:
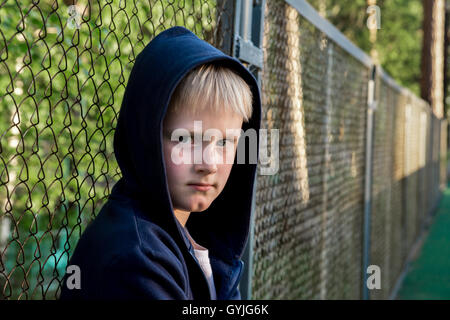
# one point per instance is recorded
(135, 248)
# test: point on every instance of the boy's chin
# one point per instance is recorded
(199, 207)
(196, 209)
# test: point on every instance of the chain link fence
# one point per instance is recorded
(407, 178)
(308, 241)
(63, 71)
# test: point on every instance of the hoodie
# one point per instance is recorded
(135, 248)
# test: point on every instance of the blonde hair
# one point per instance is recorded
(213, 86)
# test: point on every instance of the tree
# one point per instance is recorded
(432, 62)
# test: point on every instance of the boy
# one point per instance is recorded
(141, 245)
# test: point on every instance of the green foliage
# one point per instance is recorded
(399, 40)
(60, 92)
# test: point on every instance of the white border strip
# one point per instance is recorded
(307, 11)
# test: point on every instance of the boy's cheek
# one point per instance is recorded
(229, 155)
(172, 169)
(176, 171)
(224, 172)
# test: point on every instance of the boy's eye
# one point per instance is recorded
(184, 139)
(223, 142)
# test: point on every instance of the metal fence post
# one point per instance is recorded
(225, 25)
(247, 42)
(371, 105)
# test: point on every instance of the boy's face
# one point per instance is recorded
(217, 152)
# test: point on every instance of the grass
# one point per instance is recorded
(428, 277)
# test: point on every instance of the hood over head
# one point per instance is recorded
(222, 228)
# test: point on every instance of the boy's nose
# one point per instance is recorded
(209, 160)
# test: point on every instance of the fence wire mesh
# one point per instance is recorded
(308, 216)
(63, 70)
(308, 241)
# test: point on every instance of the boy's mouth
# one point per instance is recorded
(200, 186)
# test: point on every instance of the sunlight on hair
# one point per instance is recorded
(213, 86)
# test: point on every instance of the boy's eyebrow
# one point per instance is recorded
(191, 132)
(224, 136)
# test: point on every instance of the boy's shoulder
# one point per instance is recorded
(121, 230)
(120, 249)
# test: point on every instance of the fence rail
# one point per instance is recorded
(63, 71)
